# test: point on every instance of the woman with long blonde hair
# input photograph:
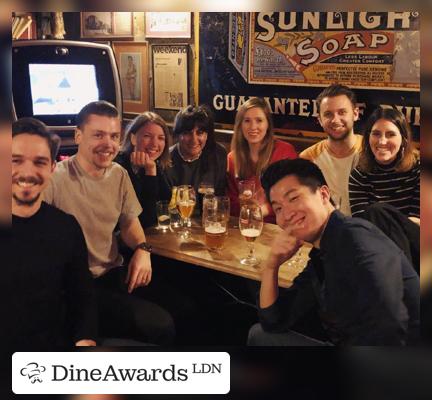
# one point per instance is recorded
(253, 148)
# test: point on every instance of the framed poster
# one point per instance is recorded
(106, 25)
(170, 76)
(132, 63)
(168, 24)
(319, 48)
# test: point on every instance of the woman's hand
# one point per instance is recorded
(141, 159)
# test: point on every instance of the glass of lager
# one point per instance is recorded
(185, 204)
(250, 224)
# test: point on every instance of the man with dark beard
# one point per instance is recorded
(339, 153)
(52, 302)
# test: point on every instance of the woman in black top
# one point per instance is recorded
(145, 155)
(196, 157)
(389, 166)
(385, 186)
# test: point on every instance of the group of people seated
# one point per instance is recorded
(361, 285)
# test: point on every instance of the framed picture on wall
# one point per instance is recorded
(170, 76)
(132, 63)
(168, 24)
(106, 25)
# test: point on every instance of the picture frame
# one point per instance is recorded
(132, 63)
(170, 76)
(168, 24)
(104, 25)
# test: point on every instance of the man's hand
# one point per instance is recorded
(85, 343)
(283, 248)
(139, 270)
(142, 160)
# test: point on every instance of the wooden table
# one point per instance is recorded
(171, 245)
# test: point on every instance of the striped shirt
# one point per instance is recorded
(385, 185)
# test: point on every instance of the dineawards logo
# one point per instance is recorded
(33, 371)
(121, 373)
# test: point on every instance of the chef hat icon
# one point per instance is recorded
(33, 371)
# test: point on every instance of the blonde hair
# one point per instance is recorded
(243, 164)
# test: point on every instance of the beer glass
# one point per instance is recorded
(175, 221)
(219, 203)
(163, 215)
(224, 206)
(205, 191)
(208, 203)
(215, 228)
(185, 203)
(206, 188)
(246, 191)
(250, 224)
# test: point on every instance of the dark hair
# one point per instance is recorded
(202, 118)
(407, 155)
(33, 126)
(196, 116)
(100, 107)
(306, 172)
(141, 120)
(336, 90)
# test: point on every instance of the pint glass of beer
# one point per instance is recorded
(215, 228)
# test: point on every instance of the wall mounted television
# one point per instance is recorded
(53, 79)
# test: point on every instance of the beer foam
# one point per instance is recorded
(250, 232)
(215, 229)
(186, 203)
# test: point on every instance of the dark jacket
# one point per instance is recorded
(365, 289)
(53, 300)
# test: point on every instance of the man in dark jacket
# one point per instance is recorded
(363, 287)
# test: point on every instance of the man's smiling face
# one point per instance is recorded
(299, 210)
(31, 168)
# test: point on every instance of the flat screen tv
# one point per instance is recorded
(53, 79)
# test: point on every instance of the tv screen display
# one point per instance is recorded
(53, 79)
(58, 89)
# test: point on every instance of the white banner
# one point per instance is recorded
(121, 373)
